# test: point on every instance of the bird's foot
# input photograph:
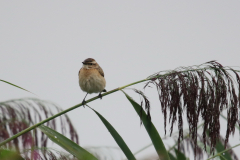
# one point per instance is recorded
(100, 95)
(83, 103)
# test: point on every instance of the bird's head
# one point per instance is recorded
(90, 63)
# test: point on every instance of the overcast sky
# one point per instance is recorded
(42, 45)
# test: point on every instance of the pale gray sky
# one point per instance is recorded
(42, 45)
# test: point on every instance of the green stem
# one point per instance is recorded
(65, 111)
(219, 153)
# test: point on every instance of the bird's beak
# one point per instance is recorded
(83, 62)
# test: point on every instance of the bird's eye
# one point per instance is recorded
(90, 63)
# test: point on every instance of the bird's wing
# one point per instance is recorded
(100, 71)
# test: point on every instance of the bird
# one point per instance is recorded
(91, 78)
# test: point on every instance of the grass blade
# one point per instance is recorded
(117, 137)
(152, 132)
(15, 86)
(67, 144)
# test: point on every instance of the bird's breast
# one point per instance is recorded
(91, 81)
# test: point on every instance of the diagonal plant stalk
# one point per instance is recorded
(107, 93)
(65, 111)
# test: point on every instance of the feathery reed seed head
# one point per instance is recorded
(203, 90)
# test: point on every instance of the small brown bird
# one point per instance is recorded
(91, 78)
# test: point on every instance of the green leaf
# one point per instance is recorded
(67, 144)
(180, 155)
(117, 137)
(152, 132)
(15, 86)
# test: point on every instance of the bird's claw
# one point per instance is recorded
(100, 95)
(83, 103)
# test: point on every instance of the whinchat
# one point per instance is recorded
(91, 78)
